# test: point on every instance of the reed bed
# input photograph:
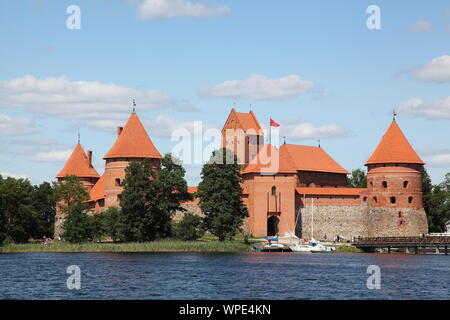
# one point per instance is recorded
(154, 246)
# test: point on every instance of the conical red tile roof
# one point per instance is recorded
(78, 165)
(133, 142)
(394, 148)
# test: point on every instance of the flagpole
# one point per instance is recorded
(270, 132)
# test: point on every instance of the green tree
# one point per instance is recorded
(44, 203)
(220, 195)
(189, 227)
(358, 179)
(3, 212)
(72, 197)
(98, 226)
(113, 223)
(427, 189)
(70, 194)
(78, 226)
(16, 209)
(436, 200)
(172, 191)
(149, 200)
(138, 202)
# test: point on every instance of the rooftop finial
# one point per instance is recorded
(284, 138)
(78, 137)
(318, 142)
(394, 114)
(134, 106)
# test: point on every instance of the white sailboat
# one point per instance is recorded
(313, 245)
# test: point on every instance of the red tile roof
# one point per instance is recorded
(307, 158)
(78, 165)
(98, 190)
(133, 142)
(271, 160)
(394, 148)
(331, 191)
(292, 158)
(247, 121)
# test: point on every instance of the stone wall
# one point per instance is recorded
(388, 222)
(345, 221)
(364, 221)
(191, 207)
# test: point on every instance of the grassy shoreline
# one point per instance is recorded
(154, 246)
(207, 244)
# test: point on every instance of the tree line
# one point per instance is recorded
(149, 202)
(436, 197)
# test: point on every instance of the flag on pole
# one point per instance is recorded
(274, 123)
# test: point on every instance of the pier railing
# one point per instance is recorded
(403, 240)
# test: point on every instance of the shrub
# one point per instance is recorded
(189, 228)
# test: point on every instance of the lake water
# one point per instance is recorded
(223, 276)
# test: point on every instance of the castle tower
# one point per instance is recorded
(243, 135)
(132, 144)
(394, 183)
(80, 165)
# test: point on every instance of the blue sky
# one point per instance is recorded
(313, 66)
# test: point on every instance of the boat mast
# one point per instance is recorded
(312, 218)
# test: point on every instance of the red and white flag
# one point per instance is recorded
(274, 123)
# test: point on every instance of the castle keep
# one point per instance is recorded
(287, 189)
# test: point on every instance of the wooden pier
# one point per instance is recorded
(412, 245)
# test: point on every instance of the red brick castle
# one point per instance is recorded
(291, 189)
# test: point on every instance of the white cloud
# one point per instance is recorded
(421, 26)
(294, 129)
(164, 126)
(14, 175)
(434, 109)
(259, 87)
(52, 156)
(437, 70)
(439, 160)
(15, 126)
(90, 102)
(166, 9)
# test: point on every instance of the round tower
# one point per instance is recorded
(394, 173)
(132, 144)
(80, 165)
(394, 187)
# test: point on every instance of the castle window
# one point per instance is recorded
(365, 199)
(393, 200)
(117, 182)
(375, 199)
(371, 183)
(410, 199)
(400, 214)
(119, 197)
(384, 184)
(274, 190)
(405, 184)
